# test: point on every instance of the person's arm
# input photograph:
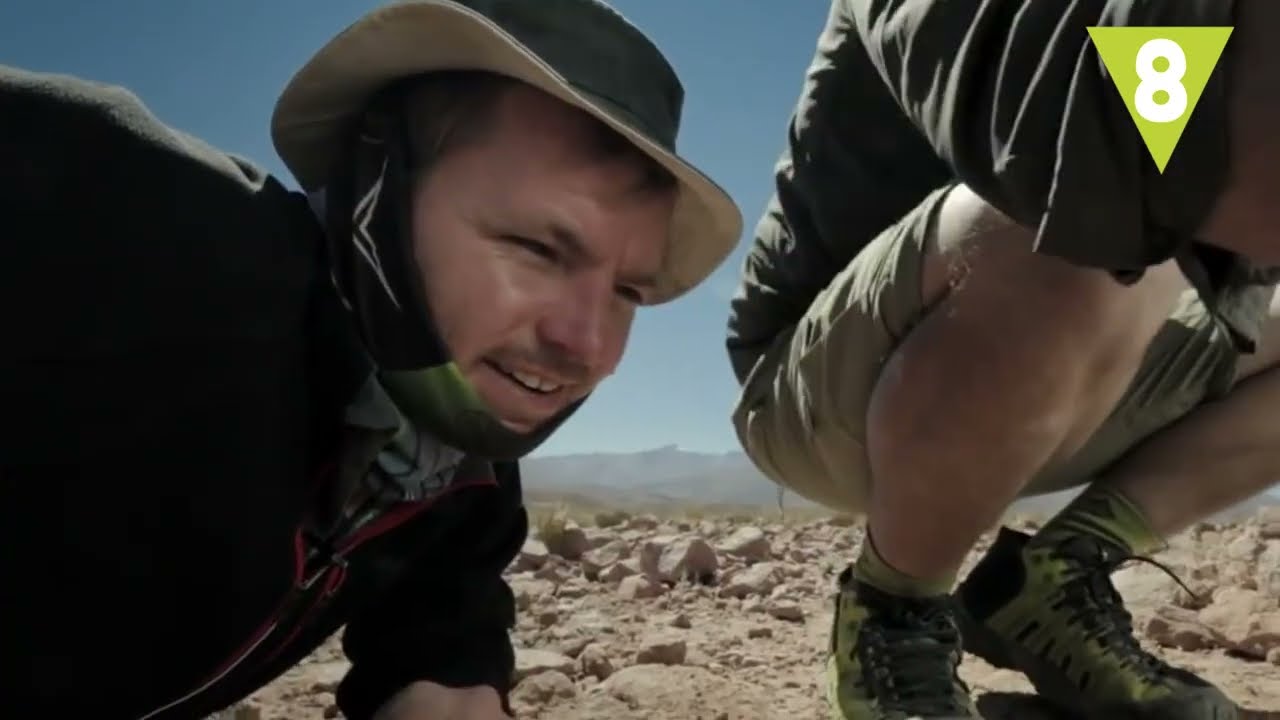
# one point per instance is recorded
(447, 619)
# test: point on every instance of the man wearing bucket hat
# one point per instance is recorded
(974, 285)
(234, 430)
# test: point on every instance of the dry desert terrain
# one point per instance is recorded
(703, 618)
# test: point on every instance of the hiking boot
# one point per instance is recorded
(894, 658)
(1050, 611)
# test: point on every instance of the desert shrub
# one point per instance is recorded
(611, 518)
(549, 525)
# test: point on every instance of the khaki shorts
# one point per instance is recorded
(801, 416)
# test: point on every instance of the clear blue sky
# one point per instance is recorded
(214, 67)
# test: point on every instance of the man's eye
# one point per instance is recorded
(631, 295)
(538, 248)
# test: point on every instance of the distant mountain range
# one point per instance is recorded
(669, 476)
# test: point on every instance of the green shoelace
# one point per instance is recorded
(1093, 604)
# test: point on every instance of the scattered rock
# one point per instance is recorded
(748, 543)
(642, 522)
(662, 651)
(569, 543)
(531, 662)
(1269, 523)
(682, 558)
(532, 556)
(757, 579)
(617, 571)
(596, 560)
(639, 587)
(655, 623)
(543, 688)
(594, 661)
(1178, 628)
(785, 610)
(1245, 618)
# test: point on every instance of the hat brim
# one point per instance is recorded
(409, 38)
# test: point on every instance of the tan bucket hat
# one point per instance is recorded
(580, 51)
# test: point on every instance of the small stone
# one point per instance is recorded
(594, 662)
(544, 687)
(1178, 628)
(662, 651)
(532, 662)
(532, 556)
(785, 610)
(638, 587)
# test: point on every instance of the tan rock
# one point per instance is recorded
(542, 688)
(1269, 523)
(749, 543)
(594, 662)
(598, 559)
(639, 587)
(570, 543)
(531, 661)
(662, 650)
(785, 610)
(757, 579)
(687, 558)
(616, 572)
(1178, 628)
(642, 522)
(532, 555)
(1260, 637)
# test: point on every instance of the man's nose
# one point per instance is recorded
(578, 324)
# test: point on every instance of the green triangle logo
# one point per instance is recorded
(1160, 72)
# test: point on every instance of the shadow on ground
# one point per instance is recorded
(1018, 706)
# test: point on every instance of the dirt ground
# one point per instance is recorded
(610, 627)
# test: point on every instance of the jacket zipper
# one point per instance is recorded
(379, 524)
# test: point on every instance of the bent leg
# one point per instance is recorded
(1019, 361)
(1196, 432)
(1221, 453)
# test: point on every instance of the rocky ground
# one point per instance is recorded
(728, 620)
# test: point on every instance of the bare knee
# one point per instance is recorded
(1061, 342)
(983, 259)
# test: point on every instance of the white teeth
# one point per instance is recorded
(533, 382)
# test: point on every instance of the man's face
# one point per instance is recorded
(535, 252)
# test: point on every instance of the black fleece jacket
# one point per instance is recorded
(174, 371)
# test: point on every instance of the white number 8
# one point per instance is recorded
(1169, 80)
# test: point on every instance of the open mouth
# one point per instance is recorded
(529, 382)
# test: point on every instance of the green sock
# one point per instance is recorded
(873, 570)
(1104, 513)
